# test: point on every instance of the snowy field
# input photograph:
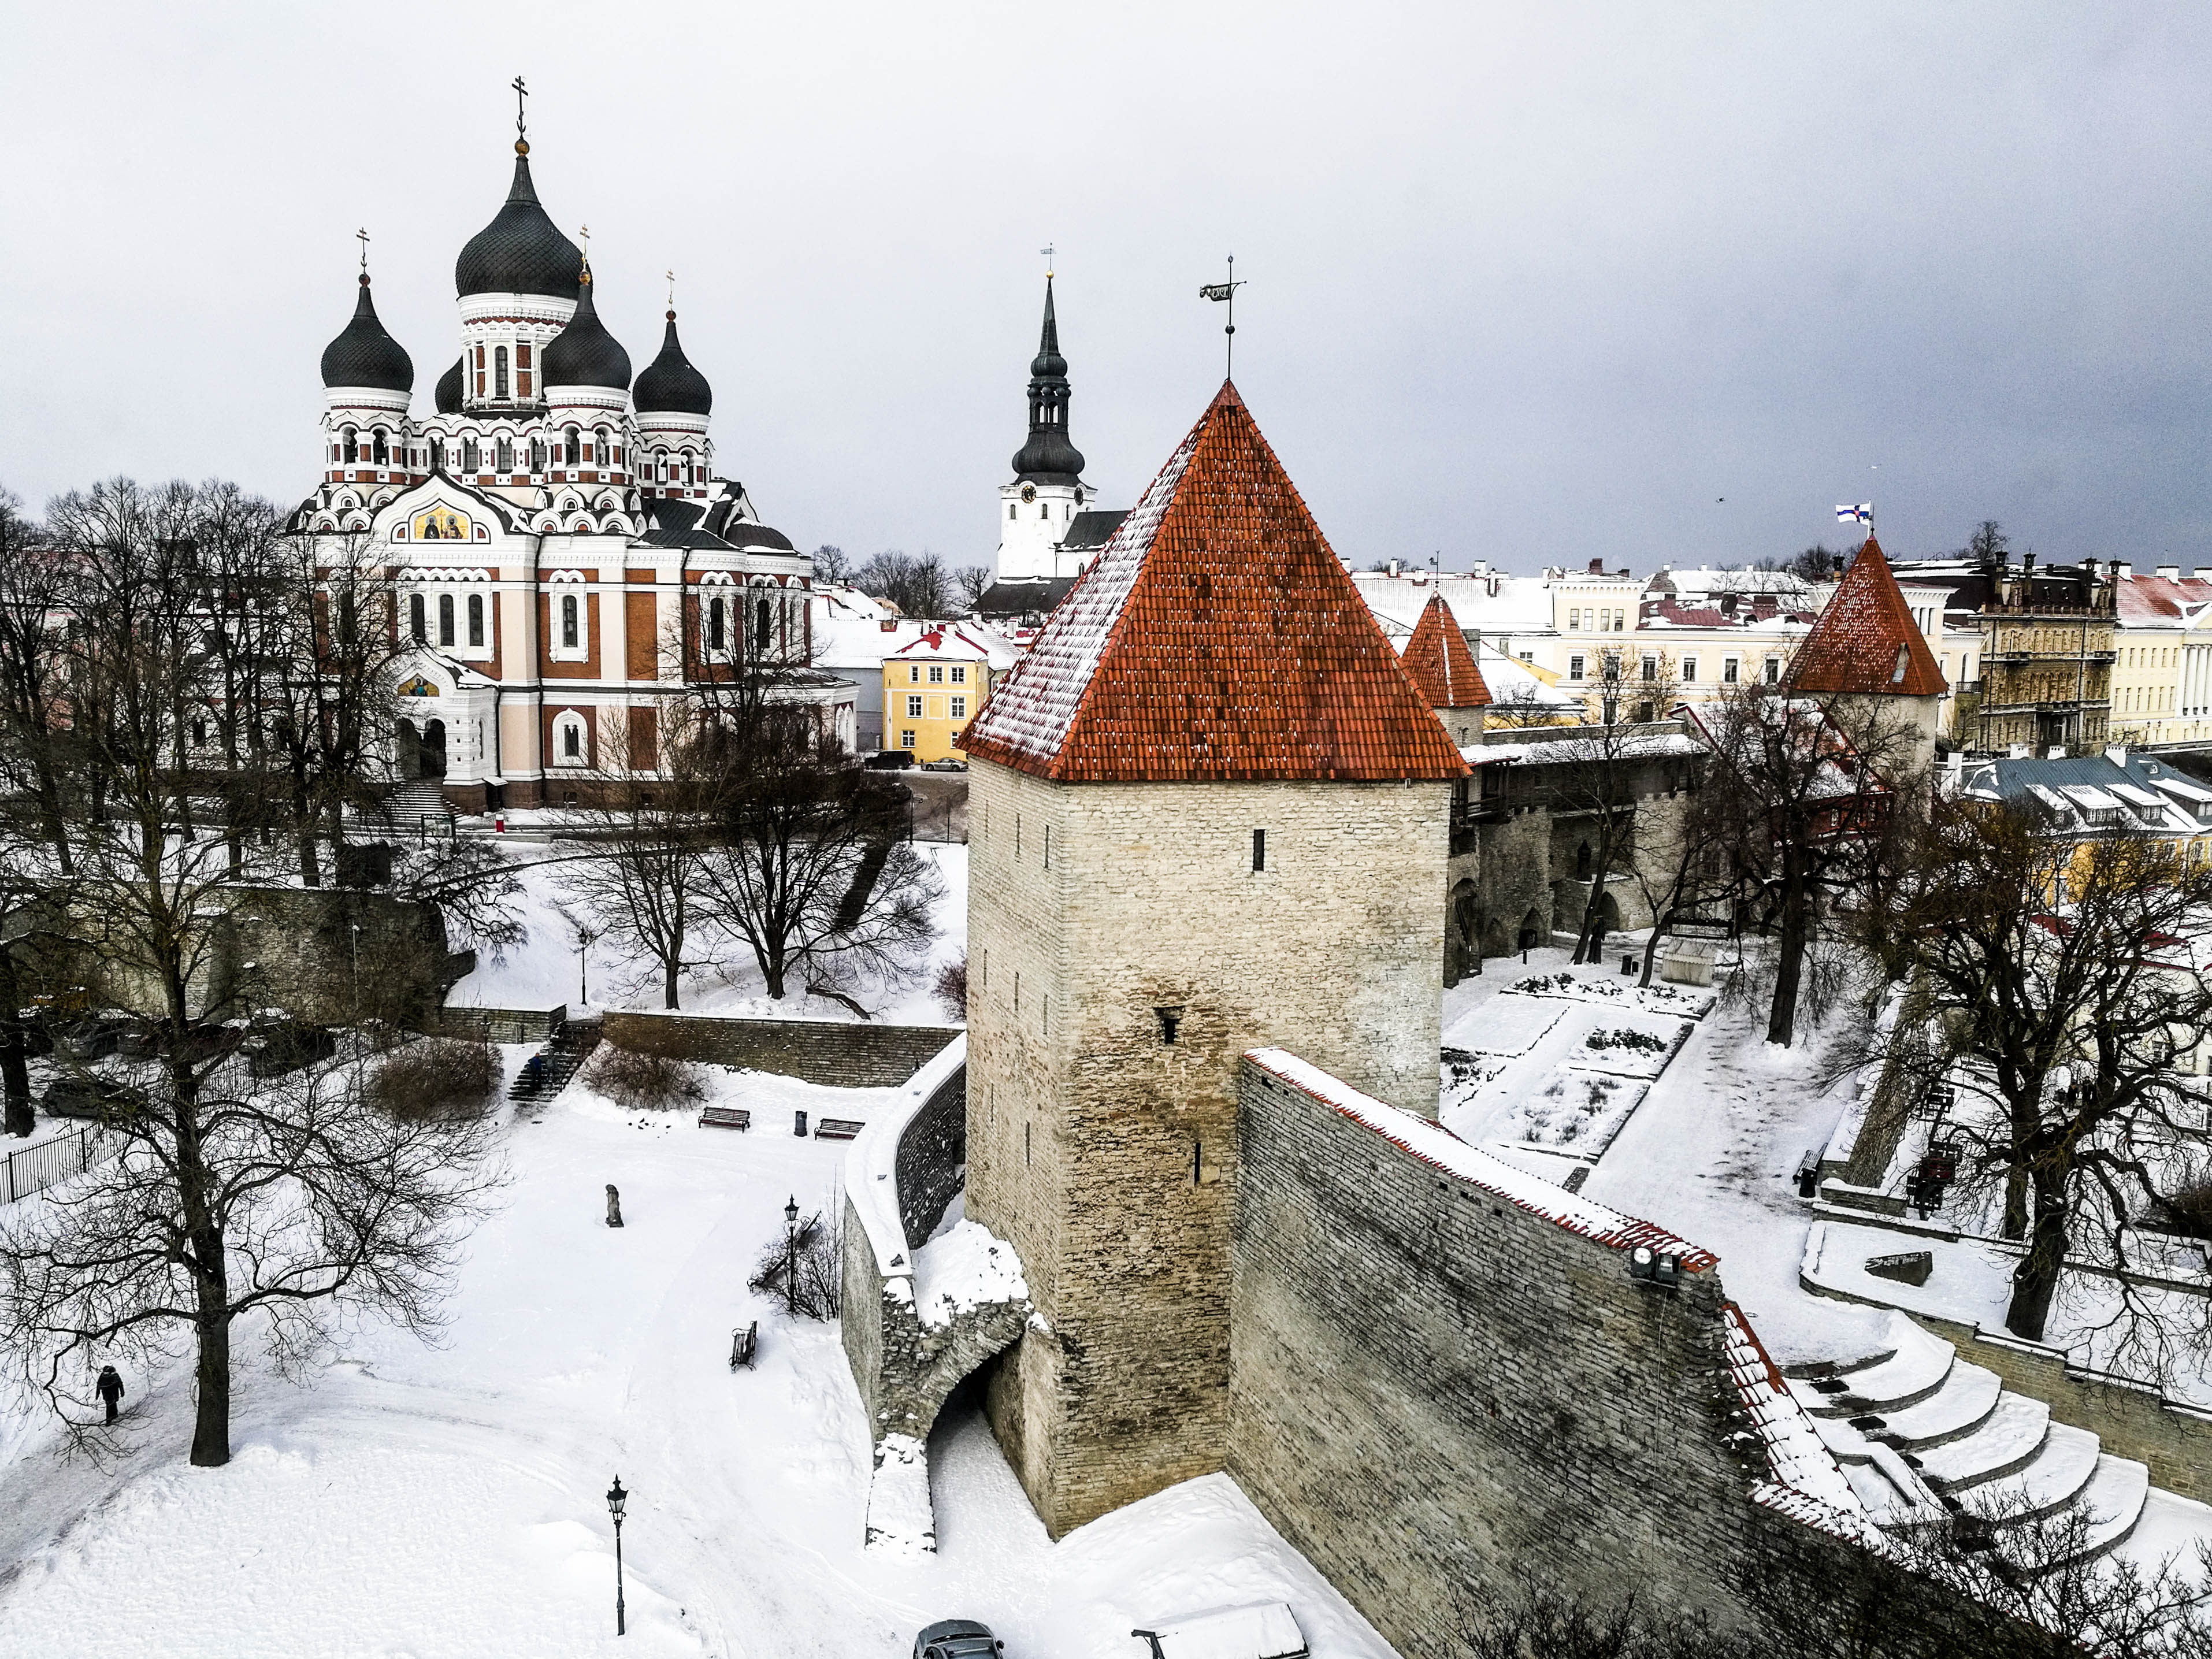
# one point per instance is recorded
(448, 1502)
(547, 970)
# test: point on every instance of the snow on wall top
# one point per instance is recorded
(1436, 1147)
(1216, 638)
(1809, 1484)
(963, 1269)
(872, 1161)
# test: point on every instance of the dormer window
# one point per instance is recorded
(1903, 658)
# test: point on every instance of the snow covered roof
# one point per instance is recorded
(1572, 752)
(966, 642)
(2161, 601)
(1865, 642)
(1488, 603)
(871, 1162)
(1437, 658)
(1216, 637)
(1439, 1148)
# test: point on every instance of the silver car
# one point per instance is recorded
(957, 1639)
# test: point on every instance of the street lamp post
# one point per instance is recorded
(790, 1256)
(616, 1498)
(356, 989)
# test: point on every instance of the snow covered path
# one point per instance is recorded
(447, 1503)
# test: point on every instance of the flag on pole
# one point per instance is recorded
(1216, 290)
(1862, 514)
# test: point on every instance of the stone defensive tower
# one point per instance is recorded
(1208, 811)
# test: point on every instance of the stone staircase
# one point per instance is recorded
(546, 1072)
(411, 803)
(1918, 1433)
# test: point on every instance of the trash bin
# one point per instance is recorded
(799, 1124)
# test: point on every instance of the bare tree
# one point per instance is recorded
(2067, 1001)
(33, 734)
(915, 582)
(832, 564)
(969, 583)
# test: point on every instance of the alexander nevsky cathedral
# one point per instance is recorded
(568, 560)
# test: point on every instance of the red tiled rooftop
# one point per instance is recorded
(1216, 637)
(1853, 647)
(1442, 667)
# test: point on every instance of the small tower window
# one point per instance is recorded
(568, 621)
(572, 448)
(445, 619)
(537, 454)
(476, 619)
(572, 741)
(1010, 511)
(715, 625)
(503, 450)
(763, 626)
(417, 628)
(471, 455)
(480, 372)
(1044, 509)
(1170, 1023)
(352, 445)
(437, 455)
(499, 372)
(381, 451)
(1259, 849)
(599, 446)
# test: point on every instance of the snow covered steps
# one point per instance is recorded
(1913, 1426)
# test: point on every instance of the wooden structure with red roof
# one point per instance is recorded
(1208, 811)
(1444, 671)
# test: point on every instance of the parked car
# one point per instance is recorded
(956, 1638)
(891, 760)
(73, 1095)
(948, 764)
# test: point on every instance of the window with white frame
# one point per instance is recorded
(906, 740)
(914, 708)
(1689, 671)
(1729, 670)
(936, 674)
(1773, 673)
(572, 740)
(959, 708)
(569, 630)
(959, 674)
(1575, 668)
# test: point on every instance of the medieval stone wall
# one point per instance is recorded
(842, 1055)
(1099, 916)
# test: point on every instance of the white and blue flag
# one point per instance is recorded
(1862, 514)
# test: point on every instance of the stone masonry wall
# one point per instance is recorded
(1106, 1154)
(842, 1055)
(1433, 1389)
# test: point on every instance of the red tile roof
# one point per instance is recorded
(1216, 637)
(1436, 657)
(2161, 601)
(1854, 647)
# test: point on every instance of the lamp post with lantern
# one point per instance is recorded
(616, 1498)
(790, 1256)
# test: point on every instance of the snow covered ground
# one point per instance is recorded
(448, 1502)
(544, 971)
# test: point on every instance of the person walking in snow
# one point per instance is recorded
(109, 1388)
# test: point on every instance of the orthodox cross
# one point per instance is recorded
(362, 233)
(1048, 250)
(671, 288)
(1227, 291)
(584, 231)
(521, 92)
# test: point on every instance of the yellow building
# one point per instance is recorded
(2160, 655)
(933, 685)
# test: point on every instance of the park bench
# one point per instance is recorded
(838, 1128)
(744, 1347)
(725, 1117)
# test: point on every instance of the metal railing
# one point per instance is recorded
(37, 1167)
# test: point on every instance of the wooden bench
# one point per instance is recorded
(838, 1128)
(725, 1117)
(744, 1347)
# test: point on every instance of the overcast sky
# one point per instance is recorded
(1528, 284)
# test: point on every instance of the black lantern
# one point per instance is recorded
(790, 1256)
(617, 1498)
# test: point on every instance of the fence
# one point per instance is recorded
(37, 1167)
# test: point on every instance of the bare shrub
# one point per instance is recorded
(645, 1081)
(435, 1078)
(814, 1260)
(951, 988)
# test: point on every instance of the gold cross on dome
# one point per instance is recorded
(671, 288)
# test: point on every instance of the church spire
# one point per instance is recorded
(1048, 456)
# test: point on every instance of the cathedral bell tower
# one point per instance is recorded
(1036, 510)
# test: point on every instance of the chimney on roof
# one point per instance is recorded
(2170, 572)
(1624, 573)
(2020, 751)
(1597, 566)
(2117, 753)
(2122, 569)
(1394, 567)
(2058, 752)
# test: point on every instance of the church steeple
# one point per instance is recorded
(1048, 456)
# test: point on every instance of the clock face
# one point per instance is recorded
(1029, 492)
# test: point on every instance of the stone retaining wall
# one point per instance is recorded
(500, 1025)
(846, 1056)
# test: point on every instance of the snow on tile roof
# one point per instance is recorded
(1809, 1484)
(1215, 637)
(1854, 647)
(2161, 601)
(1437, 658)
(965, 641)
(1493, 604)
(1436, 1147)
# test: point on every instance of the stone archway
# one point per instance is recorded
(1531, 929)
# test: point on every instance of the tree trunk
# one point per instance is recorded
(2016, 1204)
(310, 874)
(1796, 925)
(211, 1376)
(15, 1068)
(2035, 1281)
(669, 970)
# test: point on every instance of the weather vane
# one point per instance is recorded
(1048, 250)
(521, 92)
(1227, 291)
(364, 234)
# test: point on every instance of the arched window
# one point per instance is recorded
(381, 453)
(445, 619)
(599, 445)
(479, 371)
(471, 456)
(476, 619)
(1044, 509)
(715, 625)
(572, 741)
(417, 628)
(437, 454)
(569, 611)
(351, 445)
(537, 454)
(763, 626)
(686, 460)
(660, 466)
(571, 451)
(503, 451)
(499, 371)
(1010, 511)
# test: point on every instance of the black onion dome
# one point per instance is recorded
(365, 355)
(671, 383)
(1049, 456)
(756, 535)
(519, 252)
(583, 353)
(449, 390)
